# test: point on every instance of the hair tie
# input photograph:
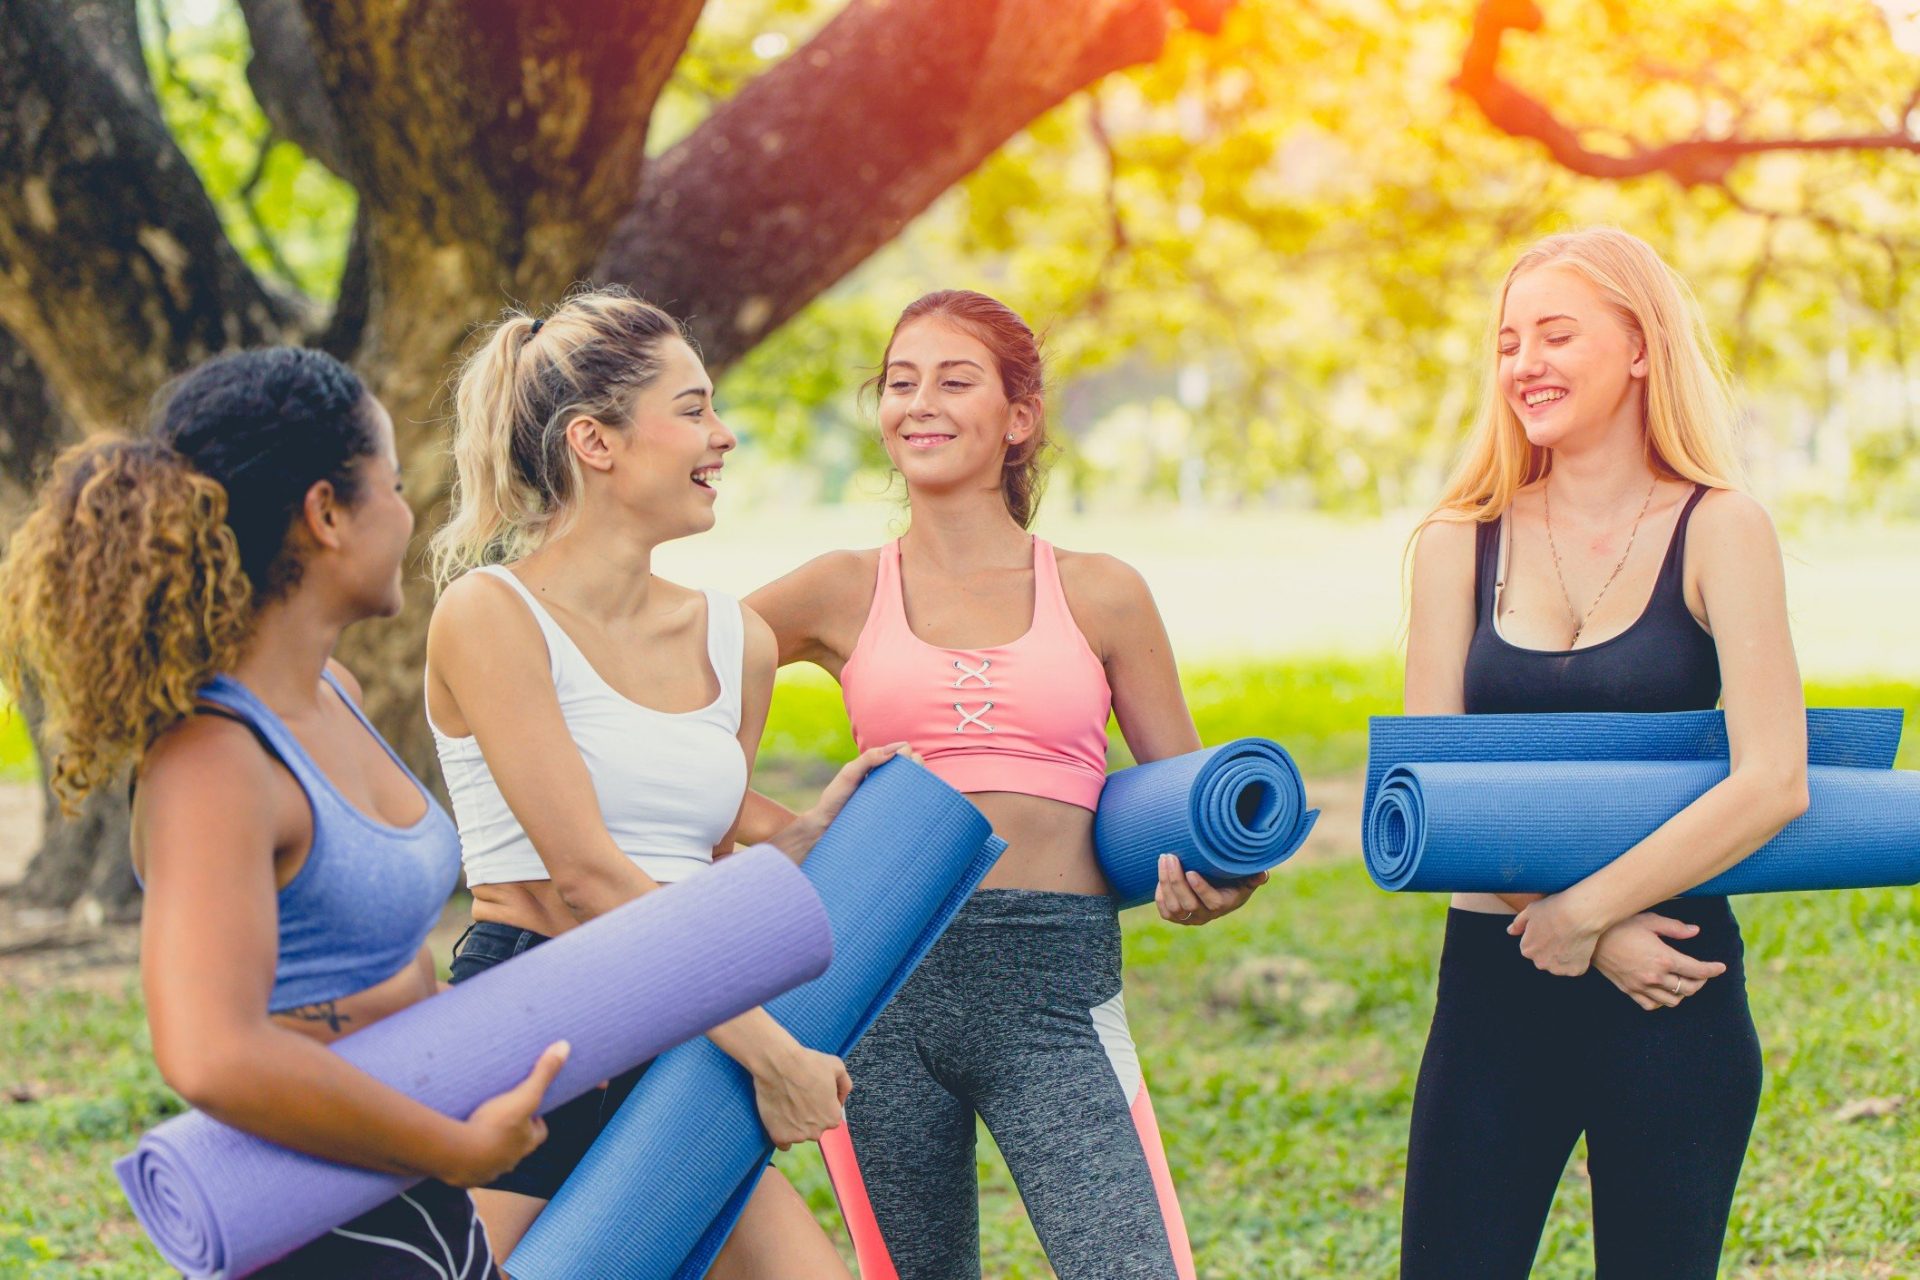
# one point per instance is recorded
(536, 326)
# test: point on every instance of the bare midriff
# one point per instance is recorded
(523, 904)
(331, 1019)
(1049, 844)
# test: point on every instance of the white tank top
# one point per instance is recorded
(669, 783)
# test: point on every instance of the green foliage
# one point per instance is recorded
(1264, 263)
(17, 762)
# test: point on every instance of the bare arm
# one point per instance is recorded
(1116, 612)
(763, 820)
(1440, 629)
(1732, 544)
(816, 611)
(212, 811)
(486, 652)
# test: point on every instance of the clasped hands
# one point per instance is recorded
(1561, 937)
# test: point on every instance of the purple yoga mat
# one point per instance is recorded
(622, 989)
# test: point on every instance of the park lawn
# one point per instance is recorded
(1280, 1045)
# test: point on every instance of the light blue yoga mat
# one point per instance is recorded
(1228, 811)
(1534, 803)
(660, 1190)
(620, 989)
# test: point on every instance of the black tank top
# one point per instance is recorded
(1665, 661)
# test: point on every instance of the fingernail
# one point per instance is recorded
(563, 1048)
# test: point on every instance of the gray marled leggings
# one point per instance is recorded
(1015, 1015)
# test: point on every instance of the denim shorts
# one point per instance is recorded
(571, 1128)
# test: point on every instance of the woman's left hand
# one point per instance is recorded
(1185, 897)
(1554, 936)
(798, 839)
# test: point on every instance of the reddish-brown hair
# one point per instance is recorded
(1022, 377)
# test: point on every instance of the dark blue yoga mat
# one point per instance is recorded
(1228, 811)
(621, 988)
(1534, 803)
(660, 1190)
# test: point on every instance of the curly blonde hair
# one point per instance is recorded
(120, 595)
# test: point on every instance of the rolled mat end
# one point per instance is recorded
(1229, 812)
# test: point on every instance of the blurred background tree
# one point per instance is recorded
(1262, 256)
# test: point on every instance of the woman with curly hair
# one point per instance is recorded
(176, 600)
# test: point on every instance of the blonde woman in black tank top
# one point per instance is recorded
(1593, 554)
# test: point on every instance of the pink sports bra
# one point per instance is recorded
(1028, 717)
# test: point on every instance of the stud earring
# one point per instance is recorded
(1009, 437)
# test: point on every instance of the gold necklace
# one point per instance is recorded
(1580, 620)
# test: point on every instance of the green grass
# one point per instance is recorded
(1284, 1106)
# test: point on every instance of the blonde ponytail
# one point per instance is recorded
(516, 481)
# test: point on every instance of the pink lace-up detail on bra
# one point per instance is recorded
(1028, 717)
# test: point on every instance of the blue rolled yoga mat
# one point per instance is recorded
(1534, 803)
(621, 988)
(661, 1188)
(1229, 811)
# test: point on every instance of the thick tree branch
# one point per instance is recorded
(825, 157)
(285, 78)
(511, 130)
(1689, 162)
(114, 270)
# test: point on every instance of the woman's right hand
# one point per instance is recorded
(1634, 958)
(504, 1129)
(800, 1093)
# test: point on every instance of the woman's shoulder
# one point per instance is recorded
(1733, 522)
(835, 574)
(478, 604)
(1105, 587)
(1446, 543)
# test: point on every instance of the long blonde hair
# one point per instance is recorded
(1686, 404)
(515, 478)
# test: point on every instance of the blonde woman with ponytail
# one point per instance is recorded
(176, 601)
(597, 724)
(1594, 553)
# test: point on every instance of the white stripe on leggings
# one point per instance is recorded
(395, 1244)
(1110, 1024)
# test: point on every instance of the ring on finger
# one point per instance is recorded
(1676, 987)
(1186, 917)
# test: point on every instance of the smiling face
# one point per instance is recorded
(1569, 368)
(667, 464)
(944, 415)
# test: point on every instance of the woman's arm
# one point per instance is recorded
(212, 810)
(762, 820)
(487, 653)
(1732, 545)
(1441, 619)
(1440, 629)
(1115, 610)
(816, 611)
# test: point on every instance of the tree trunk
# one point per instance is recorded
(498, 151)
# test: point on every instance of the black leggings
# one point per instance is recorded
(1520, 1062)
